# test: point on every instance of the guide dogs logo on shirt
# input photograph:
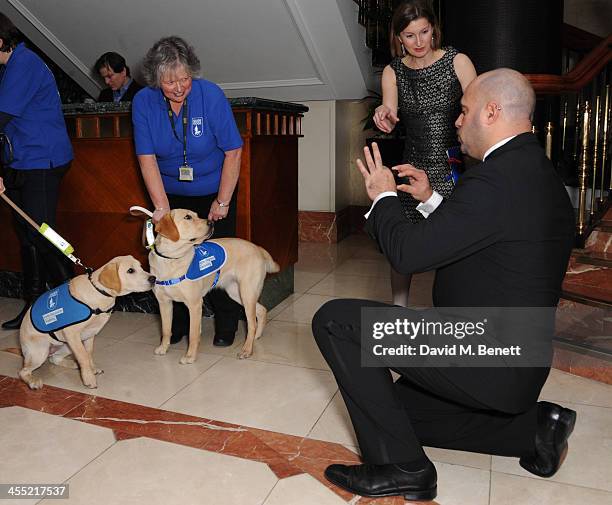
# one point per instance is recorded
(197, 124)
(52, 301)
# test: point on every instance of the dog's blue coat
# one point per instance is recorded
(208, 258)
(56, 309)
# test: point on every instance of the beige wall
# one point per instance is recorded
(316, 158)
(328, 179)
(594, 16)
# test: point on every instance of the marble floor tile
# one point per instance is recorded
(284, 304)
(590, 447)
(122, 324)
(11, 363)
(354, 286)
(256, 394)
(462, 458)
(9, 339)
(288, 343)
(563, 387)
(43, 448)
(149, 471)
(513, 490)
(302, 490)
(320, 257)
(9, 308)
(290, 350)
(303, 280)
(364, 267)
(133, 373)
(335, 425)
(460, 485)
(302, 309)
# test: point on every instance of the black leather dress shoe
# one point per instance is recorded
(555, 425)
(224, 339)
(385, 480)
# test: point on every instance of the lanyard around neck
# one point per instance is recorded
(185, 120)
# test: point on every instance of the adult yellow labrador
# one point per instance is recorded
(242, 274)
(66, 319)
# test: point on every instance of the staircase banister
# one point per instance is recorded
(583, 73)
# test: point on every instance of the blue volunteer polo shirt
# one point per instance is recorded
(211, 131)
(38, 131)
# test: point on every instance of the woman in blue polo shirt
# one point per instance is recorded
(188, 148)
(36, 157)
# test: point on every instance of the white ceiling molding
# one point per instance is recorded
(302, 28)
(295, 50)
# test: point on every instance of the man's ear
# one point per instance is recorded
(492, 111)
(109, 277)
(166, 228)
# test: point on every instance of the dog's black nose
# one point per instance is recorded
(152, 279)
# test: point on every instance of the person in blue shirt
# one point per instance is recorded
(35, 156)
(116, 75)
(189, 147)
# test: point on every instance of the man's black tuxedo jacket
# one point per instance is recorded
(106, 95)
(502, 239)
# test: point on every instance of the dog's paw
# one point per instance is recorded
(245, 353)
(187, 360)
(35, 384)
(89, 380)
(161, 350)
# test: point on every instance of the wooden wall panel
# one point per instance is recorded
(104, 181)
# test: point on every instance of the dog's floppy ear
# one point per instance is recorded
(109, 277)
(166, 228)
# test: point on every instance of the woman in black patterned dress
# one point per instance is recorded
(422, 89)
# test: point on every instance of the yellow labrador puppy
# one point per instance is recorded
(238, 266)
(66, 319)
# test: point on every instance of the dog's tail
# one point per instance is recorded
(271, 265)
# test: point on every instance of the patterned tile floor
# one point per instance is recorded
(261, 431)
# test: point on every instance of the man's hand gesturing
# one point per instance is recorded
(377, 177)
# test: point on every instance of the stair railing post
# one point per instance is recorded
(549, 139)
(595, 155)
(583, 175)
(604, 145)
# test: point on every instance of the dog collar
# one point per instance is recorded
(101, 291)
(154, 249)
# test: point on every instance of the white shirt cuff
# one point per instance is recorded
(379, 197)
(426, 208)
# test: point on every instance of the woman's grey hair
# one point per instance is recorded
(168, 55)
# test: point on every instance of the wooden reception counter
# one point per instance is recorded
(104, 181)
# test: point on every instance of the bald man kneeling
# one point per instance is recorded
(501, 240)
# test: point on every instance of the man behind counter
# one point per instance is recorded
(116, 74)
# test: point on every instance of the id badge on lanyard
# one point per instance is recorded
(185, 171)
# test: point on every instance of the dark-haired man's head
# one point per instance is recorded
(113, 69)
